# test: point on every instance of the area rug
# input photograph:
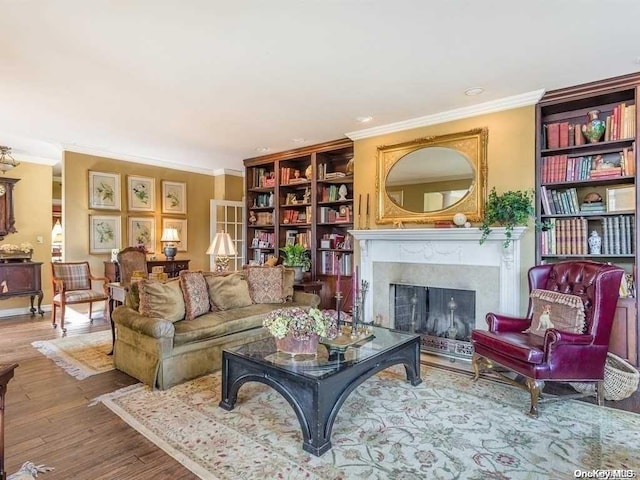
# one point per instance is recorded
(79, 355)
(446, 428)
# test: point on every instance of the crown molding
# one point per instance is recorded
(507, 103)
(135, 159)
(227, 171)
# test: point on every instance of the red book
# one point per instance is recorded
(553, 135)
(564, 134)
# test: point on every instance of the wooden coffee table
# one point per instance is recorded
(317, 386)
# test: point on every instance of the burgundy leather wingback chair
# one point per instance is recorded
(558, 356)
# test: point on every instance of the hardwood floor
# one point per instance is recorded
(48, 419)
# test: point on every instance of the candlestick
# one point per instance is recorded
(367, 204)
(339, 270)
(355, 284)
(359, 202)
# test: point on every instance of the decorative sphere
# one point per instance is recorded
(467, 224)
(459, 219)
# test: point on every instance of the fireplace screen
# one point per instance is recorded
(444, 317)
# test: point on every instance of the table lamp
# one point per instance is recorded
(170, 237)
(222, 247)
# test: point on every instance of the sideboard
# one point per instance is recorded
(171, 267)
(22, 279)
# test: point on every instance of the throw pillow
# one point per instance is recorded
(228, 291)
(161, 300)
(556, 310)
(196, 294)
(266, 284)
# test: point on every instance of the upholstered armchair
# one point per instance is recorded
(72, 284)
(542, 352)
(130, 259)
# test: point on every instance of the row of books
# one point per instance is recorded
(619, 124)
(565, 202)
(263, 239)
(263, 218)
(570, 236)
(290, 176)
(260, 256)
(296, 237)
(332, 215)
(263, 177)
(296, 216)
(324, 175)
(563, 168)
(333, 262)
(263, 200)
(329, 193)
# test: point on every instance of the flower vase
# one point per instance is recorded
(294, 346)
(594, 128)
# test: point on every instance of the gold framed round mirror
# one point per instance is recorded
(431, 179)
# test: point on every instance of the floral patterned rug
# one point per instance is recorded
(446, 428)
(79, 355)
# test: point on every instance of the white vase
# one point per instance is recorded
(595, 243)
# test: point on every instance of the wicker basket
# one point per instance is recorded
(620, 380)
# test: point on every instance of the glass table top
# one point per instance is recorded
(324, 363)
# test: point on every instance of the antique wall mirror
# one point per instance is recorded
(433, 178)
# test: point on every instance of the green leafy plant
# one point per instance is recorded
(295, 255)
(512, 208)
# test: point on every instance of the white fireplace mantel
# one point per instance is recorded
(445, 246)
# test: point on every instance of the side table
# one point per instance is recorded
(117, 294)
(308, 287)
(6, 374)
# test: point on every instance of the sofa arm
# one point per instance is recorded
(306, 298)
(152, 327)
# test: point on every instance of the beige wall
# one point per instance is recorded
(32, 209)
(511, 160)
(76, 166)
(229, 187)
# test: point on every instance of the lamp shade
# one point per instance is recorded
(170, 235)
(222, 245)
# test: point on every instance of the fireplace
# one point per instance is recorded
(444, 258)
(444, 317)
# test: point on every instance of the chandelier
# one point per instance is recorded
(7, 162)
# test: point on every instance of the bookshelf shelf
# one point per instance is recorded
(307, 185)
(577, 186)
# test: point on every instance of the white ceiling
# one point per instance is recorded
(204, 83)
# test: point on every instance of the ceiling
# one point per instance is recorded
(203, 84)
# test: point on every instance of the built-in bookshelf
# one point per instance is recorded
(586, 187)
(304, 196)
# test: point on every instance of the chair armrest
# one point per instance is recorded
(306, 298)
(58, 285)
(152, 327)
(554, 337)
(506, 323)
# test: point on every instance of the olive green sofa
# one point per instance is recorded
(162, 352)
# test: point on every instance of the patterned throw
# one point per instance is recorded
(448, 427)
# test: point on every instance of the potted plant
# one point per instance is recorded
(512, 208)
(297, 330)
(296, 256)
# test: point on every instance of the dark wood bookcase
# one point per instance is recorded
(572, 174)
(304, 196)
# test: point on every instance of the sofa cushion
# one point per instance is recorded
(556, 310)
(266, 284)
(227, 322)
(228, 291)
(195, 292)
(161, 300)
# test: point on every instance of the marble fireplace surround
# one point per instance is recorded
(444, 258)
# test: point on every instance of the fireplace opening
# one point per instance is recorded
(444, 317)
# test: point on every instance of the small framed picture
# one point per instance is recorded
(104, 233)
(174, 197)
(141, 193)
(142, 232)
(620, 199)
(104, 190)
(180, 224)
(397, 197)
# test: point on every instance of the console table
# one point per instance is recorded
(22, 279)
(6, 374)
(171, 267)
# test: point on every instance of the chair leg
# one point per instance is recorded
(62, 309)
(90, 312)
(479, 363)
(53, 316)
(534, 388)
(600, 392)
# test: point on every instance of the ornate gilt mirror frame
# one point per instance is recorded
(472, 145)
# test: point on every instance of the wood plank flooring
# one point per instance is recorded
(49, 420)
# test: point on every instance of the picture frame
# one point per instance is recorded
(142, 232)
(141, 193)
(621, 199)
(397, 196)
(174, 197)
(180, 224)
(104, 233)
(104, 190)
